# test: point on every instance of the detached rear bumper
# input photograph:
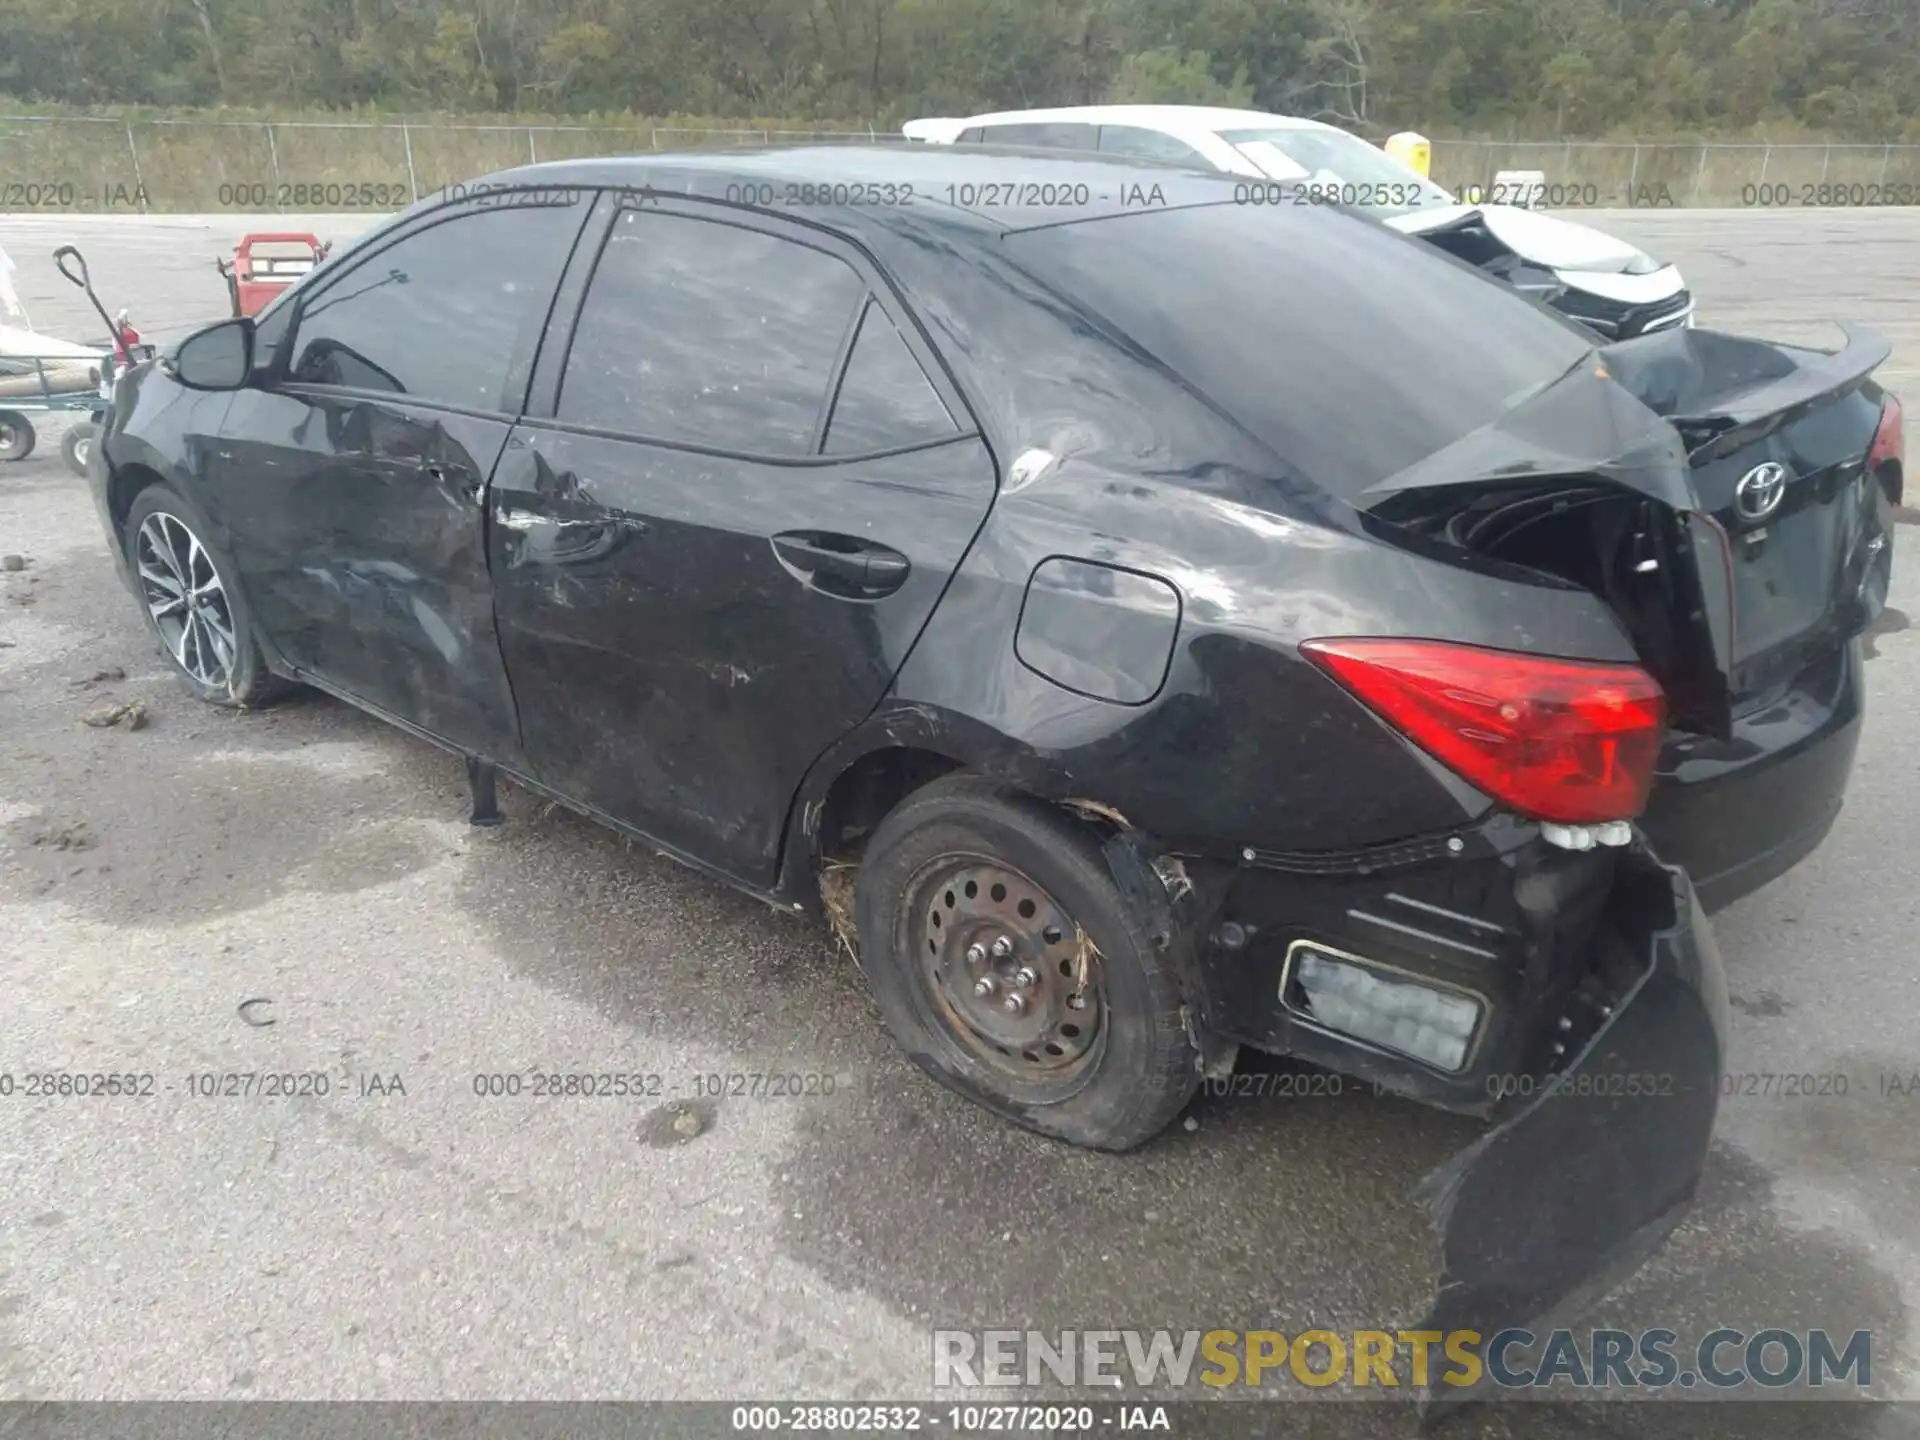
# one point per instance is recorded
(1599, 1060)
(1565, 1198)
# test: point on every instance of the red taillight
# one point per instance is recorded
(1890, 440)
(1563, 740)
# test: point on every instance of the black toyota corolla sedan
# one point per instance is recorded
(1146, 625)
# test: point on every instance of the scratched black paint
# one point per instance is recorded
(696, 640)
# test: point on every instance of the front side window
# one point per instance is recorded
(440, 315)
(710, 334)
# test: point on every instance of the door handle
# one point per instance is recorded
(842, 565)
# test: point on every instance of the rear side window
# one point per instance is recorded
(1147, 144)
(709, 334)
(886, 400)
(1046, 136)
(440, 315)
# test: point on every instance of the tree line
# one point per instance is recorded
(1847, 69)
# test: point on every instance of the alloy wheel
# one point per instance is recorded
(186, 599)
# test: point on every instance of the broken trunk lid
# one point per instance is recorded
(1633, 411)
(1585, 446)
(1720, 391)
(1583, 424)
(1788, 583)
(1650, 416)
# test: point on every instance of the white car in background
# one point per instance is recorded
(1602, 282)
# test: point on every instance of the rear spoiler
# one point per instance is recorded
(1642, 412)
(1724, 391)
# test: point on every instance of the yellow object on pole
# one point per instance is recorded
(1413, 150)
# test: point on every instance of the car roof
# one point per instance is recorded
(1172, 119)
(997, 188)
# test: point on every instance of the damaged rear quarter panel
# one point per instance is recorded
(1244, 744)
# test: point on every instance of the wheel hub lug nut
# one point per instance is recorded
(984, 986)
(1013, 1004)
(1002, 947)
(976, 954)
(1025, 976)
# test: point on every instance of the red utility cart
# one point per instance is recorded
(265, 263)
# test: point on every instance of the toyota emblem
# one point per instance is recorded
(1760, 491)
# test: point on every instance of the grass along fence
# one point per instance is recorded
(1743, 174)
(94, 165)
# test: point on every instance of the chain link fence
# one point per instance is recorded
(1578, 173)
(100, 165)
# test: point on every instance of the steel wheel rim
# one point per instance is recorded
(81, 447)
(978, 920)
(186, 599)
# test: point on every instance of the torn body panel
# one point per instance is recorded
(1597, 1165)
(1600, 1069)
(1598, 1058)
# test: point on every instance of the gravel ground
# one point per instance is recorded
(412, 1240)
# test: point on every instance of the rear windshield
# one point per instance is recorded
(1351, 349)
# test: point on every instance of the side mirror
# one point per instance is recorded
(217, 358)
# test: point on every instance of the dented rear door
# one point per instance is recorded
(735, 500)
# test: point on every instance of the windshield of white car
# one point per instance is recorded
(1347, 168)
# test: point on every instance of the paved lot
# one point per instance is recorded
(436, 1244)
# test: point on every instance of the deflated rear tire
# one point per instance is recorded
(186, 589)
(1009, 966)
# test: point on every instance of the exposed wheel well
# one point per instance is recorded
(127, 483)
(863, 793)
